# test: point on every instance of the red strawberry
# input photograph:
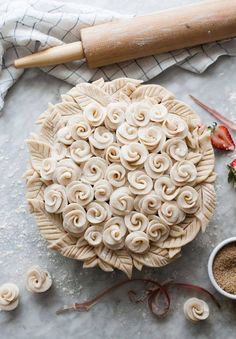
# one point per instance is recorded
(232, 172)
(221, 138)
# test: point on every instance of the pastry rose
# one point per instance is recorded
(137, 242)
(116, 175)
(183, 172)
(59, 151)
(66, 172)
(101, 138)
(74, 219)
(80, 151)
(136, 221)
(64, 135)
(121, 201)
(165, 188)
(138, 114)
(48, 167)
(140, 182)
(157, 230)
(9, 297)
(81, 130)
(187, 200)
(94, 114)
(126, 134)
(55, 198)
(133, 155)
(170, 213)
(174, 126)
(80, 192)
(196, 309)
(115, 115)
(114, 233)
(147, 204)
(157, 164)
(158, 113)
(112, 153)
(38, 280)
(97, 212)
(93, 235)
(102, 190)
(94, 169)
(152, 137)
(176, 148)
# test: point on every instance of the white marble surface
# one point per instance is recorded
(21, 245)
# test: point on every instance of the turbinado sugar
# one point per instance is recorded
(224, 268)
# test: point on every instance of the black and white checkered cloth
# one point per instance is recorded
(30, 26)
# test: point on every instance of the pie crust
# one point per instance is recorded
(121, 175)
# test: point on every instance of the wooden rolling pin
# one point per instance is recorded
(126, 39)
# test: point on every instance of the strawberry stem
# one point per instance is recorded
(212, 127)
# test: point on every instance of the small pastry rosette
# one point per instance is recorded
(38, 280)
(9, 297)
(196, 309)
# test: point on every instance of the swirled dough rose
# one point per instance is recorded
(157, 229)
(80, 151)
(48, 167)
(74, 219)
(66, 171)
(81, 130)
(135, 221)
(55, 198)
(64, 136)
(102, 190)
(157, 165)
(114, 233)
(9, 297)
(80, 192)
(38, 280)
(121, 175)
(196, 309)
(112, 153)
(147, 204)
(152, 137)
(115, 115)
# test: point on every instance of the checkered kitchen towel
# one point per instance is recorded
(30, 26)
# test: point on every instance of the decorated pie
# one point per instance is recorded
(121, 175)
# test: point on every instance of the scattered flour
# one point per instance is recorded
(232, 97)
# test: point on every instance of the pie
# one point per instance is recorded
(121, 175)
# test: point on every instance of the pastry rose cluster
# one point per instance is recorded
(120, 173)
(125, 178)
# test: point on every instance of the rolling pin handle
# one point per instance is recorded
(52, 56)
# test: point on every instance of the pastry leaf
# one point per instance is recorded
(51, 126)
(119, 259)
(85, 94)
(207, 198)
(92, 262)
(206, 165)
(191, 229)
(124, 85)
(184, 111)
(39, 151)
(156, 92)
(156, 257)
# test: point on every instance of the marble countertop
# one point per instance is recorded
(21, 244)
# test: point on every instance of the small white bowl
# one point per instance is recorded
(210, 267)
